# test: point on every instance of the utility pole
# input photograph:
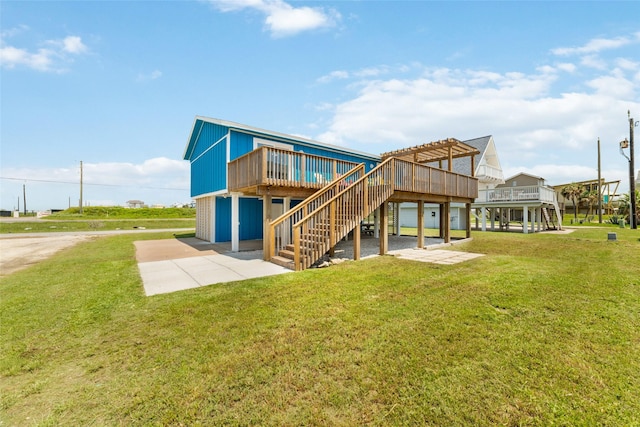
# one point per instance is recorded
(81, 204)
(632, 182)
(24, 198)
(599, 187)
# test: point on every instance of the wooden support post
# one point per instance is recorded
(296, 251)
(332, 228)
(525, 220)
(420, 224)
(384, 228)
(441, 216)
(447, 222)
(468, 207)
(268, 239)
(356, 242)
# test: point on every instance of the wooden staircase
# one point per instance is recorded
(280, 232)
(346, 202)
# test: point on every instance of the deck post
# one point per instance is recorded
(447, 222)
(235, 222)
(356, 242)
(332, 228)
(420, 224)
(396, 218)
(268, 240)
(441, 217)
(384, 228)
(468, 207)
(376, 223)
(525, 220)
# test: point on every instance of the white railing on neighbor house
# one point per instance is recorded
(486, 173)
(532, 193)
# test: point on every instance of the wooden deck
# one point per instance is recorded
(338, 197)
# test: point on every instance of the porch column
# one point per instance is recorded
(539, 216)
(286, 204)
(468, 217)
(447, 222)
(396, 219)
(384, 228)
(534, 219)
(268, 241)
(441, 216)
(420, 224)
(525, 220)
(484, 218)
(235, 222)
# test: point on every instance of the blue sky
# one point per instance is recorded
(117, 84)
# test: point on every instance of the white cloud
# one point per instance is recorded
(334, 75)
(536, 129)
(282, 19)
(54, 56)
(596, 45)
(154, 75)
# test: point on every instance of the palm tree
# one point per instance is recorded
(591, 199)
(572, 192)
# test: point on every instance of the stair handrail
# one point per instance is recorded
(365, 209)
(280, 237)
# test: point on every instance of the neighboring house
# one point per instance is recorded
(522, 198)
(135, 204)
(302, 196)
(488, 172)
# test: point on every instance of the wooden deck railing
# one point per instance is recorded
(532, 193)
(270, 166)
(322, 228)
(281, 229)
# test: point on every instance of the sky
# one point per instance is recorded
(116, 85)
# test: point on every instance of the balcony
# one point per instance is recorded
(511, 195)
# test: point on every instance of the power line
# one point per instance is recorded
(96, 185)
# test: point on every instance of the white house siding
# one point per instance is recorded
(409, 216)
(204, 218)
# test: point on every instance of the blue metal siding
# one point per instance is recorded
(223, 219)
(241, 144)
(250, 219)
(209, 168)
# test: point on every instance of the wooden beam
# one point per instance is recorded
(447, 222)
(468, 207)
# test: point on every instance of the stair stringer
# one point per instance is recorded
(319, 231)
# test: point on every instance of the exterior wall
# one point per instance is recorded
(409, 216)
(522, 180)
(209, 162)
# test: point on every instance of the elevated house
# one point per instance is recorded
(301, 197)
(523, 198)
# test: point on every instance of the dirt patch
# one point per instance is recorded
(22, 252)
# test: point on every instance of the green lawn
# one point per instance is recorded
(41, 226)
(543, 330)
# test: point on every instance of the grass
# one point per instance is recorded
(41, 226)
(105, 218)
(543, 330)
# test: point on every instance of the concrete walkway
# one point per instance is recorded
(176, 264)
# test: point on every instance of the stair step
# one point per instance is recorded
(283, 262)
(286, 254)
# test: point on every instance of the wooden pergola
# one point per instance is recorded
(437, 151)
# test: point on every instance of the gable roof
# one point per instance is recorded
(199, 122)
